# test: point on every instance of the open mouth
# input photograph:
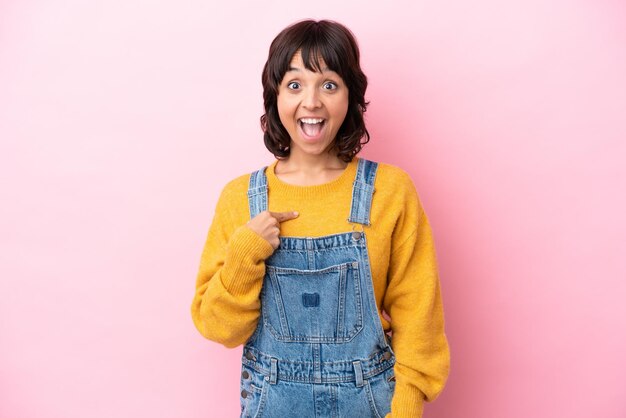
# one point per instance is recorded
(311, 127)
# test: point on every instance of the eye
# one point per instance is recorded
(293, 85)
(329, 85)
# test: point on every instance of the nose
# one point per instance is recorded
(311, 99)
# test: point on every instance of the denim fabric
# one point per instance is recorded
(319, 349)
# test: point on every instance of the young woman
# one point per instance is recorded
(316, 260)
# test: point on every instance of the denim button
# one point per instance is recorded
(356, 235)
(386, 355)
(245, 374)
(249, 355)
(244, 394)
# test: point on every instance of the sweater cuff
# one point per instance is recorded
(407, 402)
(244, 264)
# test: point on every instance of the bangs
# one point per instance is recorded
(317, 43)
(315, 50)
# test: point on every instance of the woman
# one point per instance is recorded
(303, 256)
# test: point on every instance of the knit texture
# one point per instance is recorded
(226, 305)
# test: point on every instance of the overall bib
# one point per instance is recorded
(319, 349)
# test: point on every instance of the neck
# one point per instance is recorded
(308, 170)
(311, 163)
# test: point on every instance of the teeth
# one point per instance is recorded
(311, 121)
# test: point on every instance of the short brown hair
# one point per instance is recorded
(337, 46)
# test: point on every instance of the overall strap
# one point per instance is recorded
(362, 191)
(257, 192)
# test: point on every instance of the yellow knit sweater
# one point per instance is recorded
(226, 304)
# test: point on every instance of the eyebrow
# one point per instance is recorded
(325, 69)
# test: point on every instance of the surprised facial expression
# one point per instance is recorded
(311, 106)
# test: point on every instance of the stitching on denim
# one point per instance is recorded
(370, 399)
(309, 378)
(373, 358)
(286, 335)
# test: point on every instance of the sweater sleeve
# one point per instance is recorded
(414, 304)
(226, 304)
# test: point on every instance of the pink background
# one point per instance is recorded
(121, 121)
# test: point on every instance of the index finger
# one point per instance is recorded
(283, 216)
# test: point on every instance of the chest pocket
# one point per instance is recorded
(316, 306)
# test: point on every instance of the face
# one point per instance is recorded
(311, 106)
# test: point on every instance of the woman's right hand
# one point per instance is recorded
(267, 225)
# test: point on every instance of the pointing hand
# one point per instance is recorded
(267, 225)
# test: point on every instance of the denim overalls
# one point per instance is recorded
(319, 349)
